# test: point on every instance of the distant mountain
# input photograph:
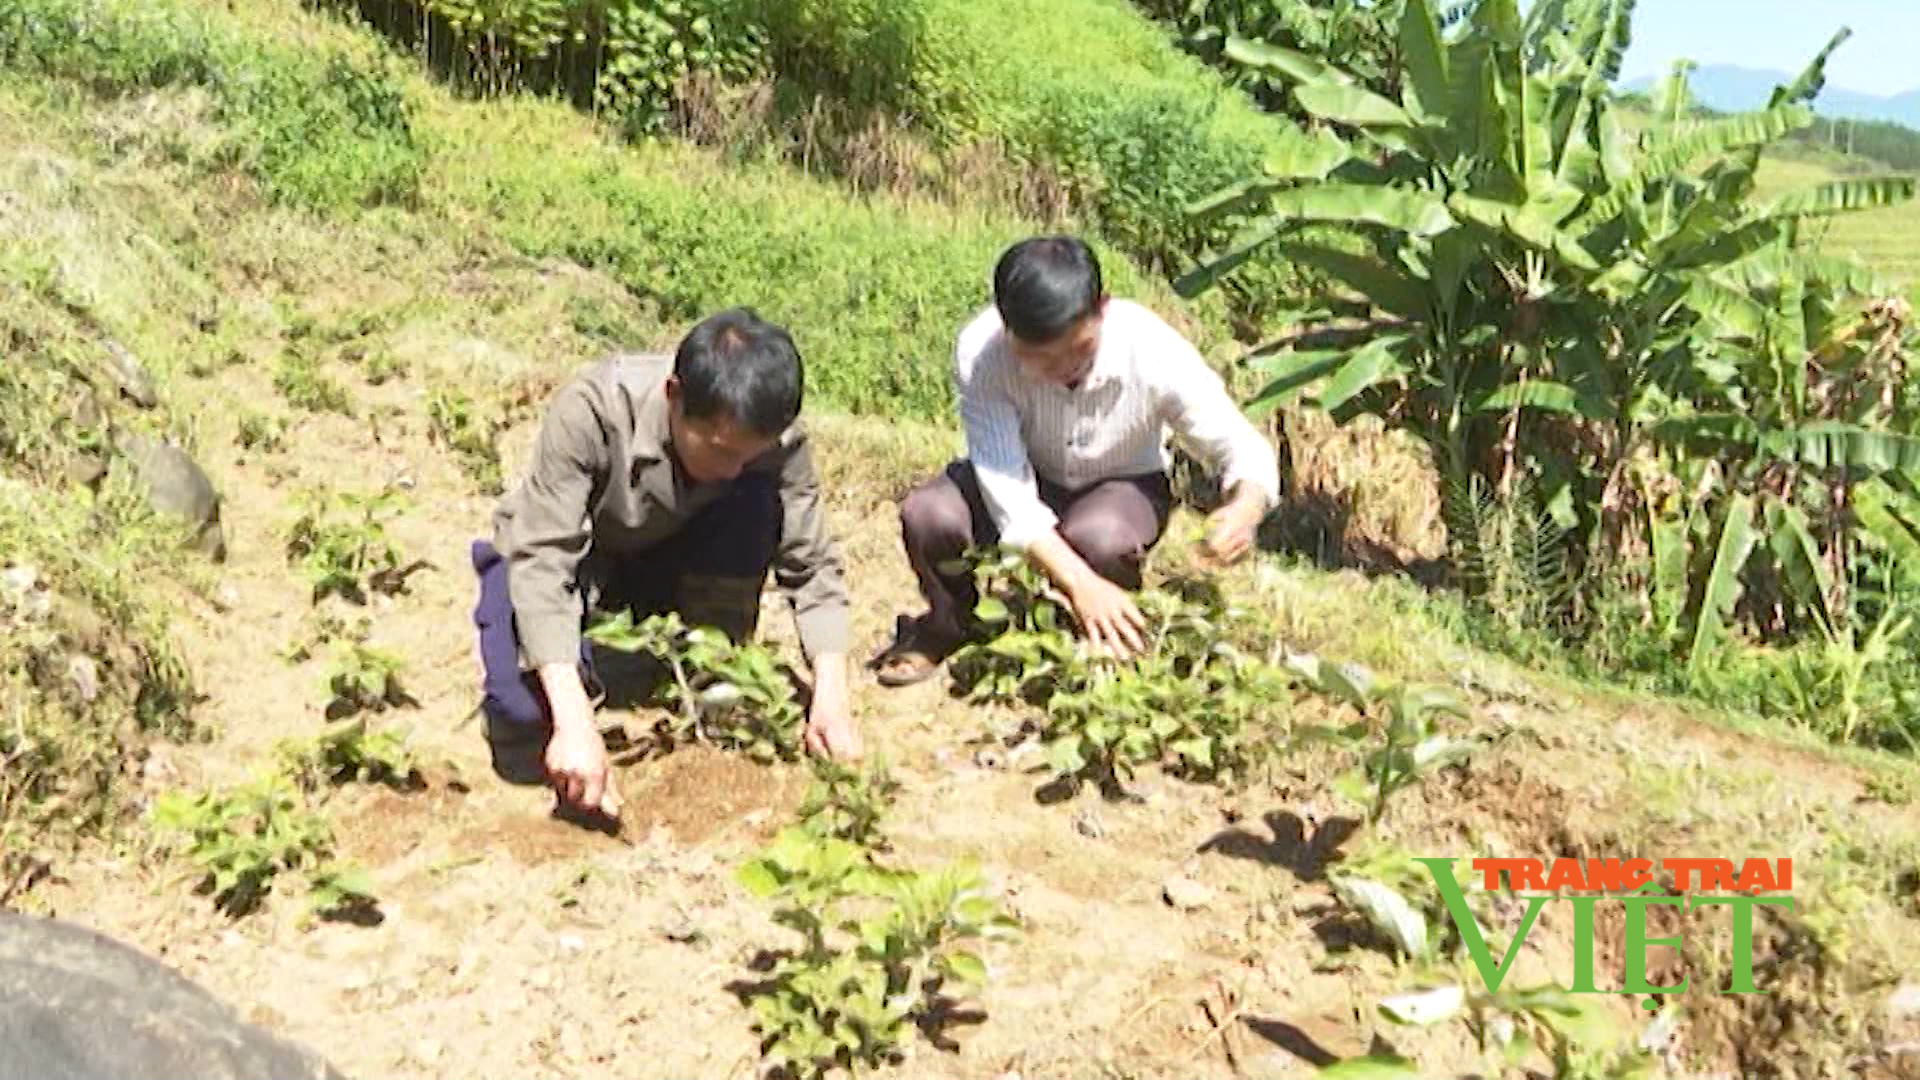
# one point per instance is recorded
(1728, 88)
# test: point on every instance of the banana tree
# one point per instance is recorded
(1536, 288)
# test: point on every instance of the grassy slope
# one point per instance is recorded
(516, 946)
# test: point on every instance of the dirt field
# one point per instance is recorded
(516, 945)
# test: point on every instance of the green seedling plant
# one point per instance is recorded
(366, 679)
(848, 803)
(1574, 1032)
(259, 431)
(472, 434)
(243, 839)
(300, 380)
(1400, 742)
(324, 627)
(879, 947)
(382, 366)
(340, 542)
(1381, 882)
(733, 694)
(350, 752)
(1191, 702)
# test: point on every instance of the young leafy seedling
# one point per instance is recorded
(734, 694)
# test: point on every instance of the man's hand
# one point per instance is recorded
(1112, 620)
(1232, 528)
(576, 759)
(830, 728)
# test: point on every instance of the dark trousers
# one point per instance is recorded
(711, 572)
(1112, 524)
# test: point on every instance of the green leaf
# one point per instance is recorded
(1376, 1067)
(1842, 196)
(1350, 105)
(1822, 445)
(1767, 269)
(1299, 155)
(1880, 509)
(1389, 288)
(1245, 246)
(1405, 209)
(758, 878)
(1424, 58)
(1198, 749)
(1376, 362)
(1733, 312)
(1349, 684)
(968, 968)
(1500, 21)
(992, 609)
(1292, 63)
(1066, 756)
(1723, 577)
(1722, 248)
(1799, 558)
(1584, 1022)
(1544, 396)
(1291, 372)
(1525, 225)
(1688, 142)
(1813, 78)
(1355, 787)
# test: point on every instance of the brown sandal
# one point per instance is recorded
(912, 659)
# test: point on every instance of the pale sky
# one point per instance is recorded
(1782, 35)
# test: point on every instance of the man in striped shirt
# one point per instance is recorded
(1067, 397)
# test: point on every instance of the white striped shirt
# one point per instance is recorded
(1146, 379)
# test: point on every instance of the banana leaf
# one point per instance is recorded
(1291, 372)
(1546, 396)
(1350, 105)
(1376, 362)
(1292, 63)
(1880, 508)
(1245, 246)
(1813, 78)
(1768, 268)
(1384, 286)
(1523, 224)
(1425, 60)
(1842, 196)
(1793, 549)
(1721, 586)
(1405, 209)
(1689, 142)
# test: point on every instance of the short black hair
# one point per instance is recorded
(1043, 285)
(738, 365)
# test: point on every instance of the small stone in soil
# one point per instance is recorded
(1087, 824)
(1186, 894)
(1905, 1001)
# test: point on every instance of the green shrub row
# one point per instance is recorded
(316, 128)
